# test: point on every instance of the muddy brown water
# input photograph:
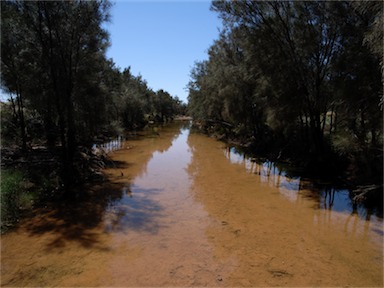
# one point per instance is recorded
(181, 209)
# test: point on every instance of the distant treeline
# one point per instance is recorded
(299, 80)
(63, 91)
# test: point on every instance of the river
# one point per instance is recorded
(182, 209)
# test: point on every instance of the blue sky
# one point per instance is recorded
(161, 40)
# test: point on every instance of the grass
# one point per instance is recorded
(15, 197)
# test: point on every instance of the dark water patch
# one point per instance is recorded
(379, 232)
(327, 195)
(116, 206)
(74, 220)
(135, 210)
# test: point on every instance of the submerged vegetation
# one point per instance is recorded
(299, 81)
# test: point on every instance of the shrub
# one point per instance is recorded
(13, 196)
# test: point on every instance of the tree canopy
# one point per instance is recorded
(298, 78)
(63, 90)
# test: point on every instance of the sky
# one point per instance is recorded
(161, 40)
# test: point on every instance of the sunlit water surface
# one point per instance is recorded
(182, 209)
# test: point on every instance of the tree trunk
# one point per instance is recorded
(317, 136)
(20, 112)
(331, 120)
(49, 125)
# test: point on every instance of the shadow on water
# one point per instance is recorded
(75, 219)
(133, 211)
(109, 207)
(292, 185)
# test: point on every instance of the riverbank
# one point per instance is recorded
(31, 180)
(364, 178)
(180, 209)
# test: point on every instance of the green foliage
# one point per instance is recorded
(21, 190)
(63, 91)
(9, 129)
(14, 196)
(297, 78)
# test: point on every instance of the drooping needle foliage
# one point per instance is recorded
(297, 78)
(63, 91)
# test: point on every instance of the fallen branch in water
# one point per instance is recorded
(361, 193)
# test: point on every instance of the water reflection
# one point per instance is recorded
(180, 200)
(162, 158)
(112, 145)
(133, 211)
(293, 187)
(268, 203)
(116, 203)
(75, 220)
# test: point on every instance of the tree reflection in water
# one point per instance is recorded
(111, 203)
(292, 185)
